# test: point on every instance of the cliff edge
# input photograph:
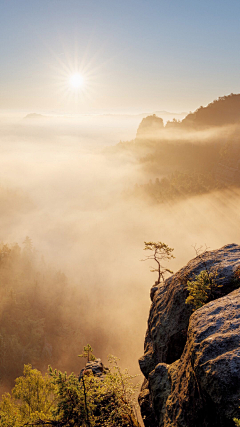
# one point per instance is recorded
(191, 360)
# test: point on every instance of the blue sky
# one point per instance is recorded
(137, 55)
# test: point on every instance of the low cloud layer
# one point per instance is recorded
(58, 189)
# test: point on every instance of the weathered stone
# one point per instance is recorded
(145, 403)
(207, 387)
(153, 289)
(94, 366)
(160, 388)
(209, 357)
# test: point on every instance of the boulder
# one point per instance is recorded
(94, 367)
(192, 369)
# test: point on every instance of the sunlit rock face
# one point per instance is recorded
(192, 361)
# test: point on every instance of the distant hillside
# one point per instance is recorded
(223, 111)
(184, 158)
(35, 116)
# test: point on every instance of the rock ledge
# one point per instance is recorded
(192, 361)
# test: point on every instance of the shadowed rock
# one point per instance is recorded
(203, 387)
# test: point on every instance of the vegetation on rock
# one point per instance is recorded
(58, 399)
(201, 288)
(161, 252)
(87, 353)
(191, 360)
(207, 286)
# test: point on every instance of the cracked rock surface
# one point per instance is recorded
(192, 361)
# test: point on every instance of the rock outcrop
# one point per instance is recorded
(150, 127)
(192, 360)
(94, 367)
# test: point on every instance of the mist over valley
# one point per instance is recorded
(87, 206)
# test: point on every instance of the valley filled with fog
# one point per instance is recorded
(62, 189)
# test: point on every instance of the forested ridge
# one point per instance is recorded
(198, 155)
(33, 310)
(43, 322)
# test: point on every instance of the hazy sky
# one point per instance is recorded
(135, 55)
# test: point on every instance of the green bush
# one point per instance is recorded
(31, 399)
(58, 399)
(201, 289)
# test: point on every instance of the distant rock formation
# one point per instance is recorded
(35, 116)
(191, 361)
(149, 127)
(221, 112)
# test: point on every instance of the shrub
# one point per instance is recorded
(95, 401)
(58, 399)
(201, 289)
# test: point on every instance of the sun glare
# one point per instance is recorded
(76, 81)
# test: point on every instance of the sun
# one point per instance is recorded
(76, 81)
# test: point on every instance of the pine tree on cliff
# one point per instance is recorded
(160, 252)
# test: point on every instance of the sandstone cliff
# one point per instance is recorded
(191, 361)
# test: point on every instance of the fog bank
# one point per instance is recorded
(60, 190)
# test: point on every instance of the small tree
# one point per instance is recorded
(160, 252)
(88, 353)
